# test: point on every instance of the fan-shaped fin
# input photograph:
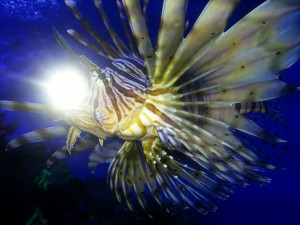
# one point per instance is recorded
(227, 157)
(265, 41)
(209, 25)
(38, 135)
(188, 184)
(27, 107)
(244, 91)
(258, 64)
(167, 178)
(140, 32)
(195, 136)
(220, 113)
(128, 173)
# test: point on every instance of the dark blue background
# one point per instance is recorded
(28, 49)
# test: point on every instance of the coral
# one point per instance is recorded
(42, 180)
(56, 176)
(37, 218)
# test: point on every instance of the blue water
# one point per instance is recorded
(28, 51)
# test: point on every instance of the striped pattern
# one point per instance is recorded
(104, 153)
(90, 45)
(128, 33)
(122, 91)
(250, 107)
(109, 51)
(130, 73)
(37, 136)
(209, 25)
(172, 28)
(115, 38)
(27, 107)
(81, 145)
(140, 32)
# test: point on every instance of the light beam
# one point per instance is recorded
(66, 88)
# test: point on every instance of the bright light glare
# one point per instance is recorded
(66, 89)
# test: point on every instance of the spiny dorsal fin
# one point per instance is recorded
(209, 25)
(123, 50)
(172, 14)
(128, 33)
(140, 33)
(107, 48)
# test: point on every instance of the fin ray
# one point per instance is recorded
(171, 28)
(140, 32)
(267, 29)
(27, 107)
(209, 20)
(116, 39)
(109, 50)
(38, 135)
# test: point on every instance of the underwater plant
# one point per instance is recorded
(42, 180)
(167, 118)
(37, 218)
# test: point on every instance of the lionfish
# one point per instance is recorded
(176, 107)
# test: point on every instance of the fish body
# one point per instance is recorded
(121, 104)
(175, 108)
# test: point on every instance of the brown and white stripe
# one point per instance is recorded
(250, 107)
(122, 90)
